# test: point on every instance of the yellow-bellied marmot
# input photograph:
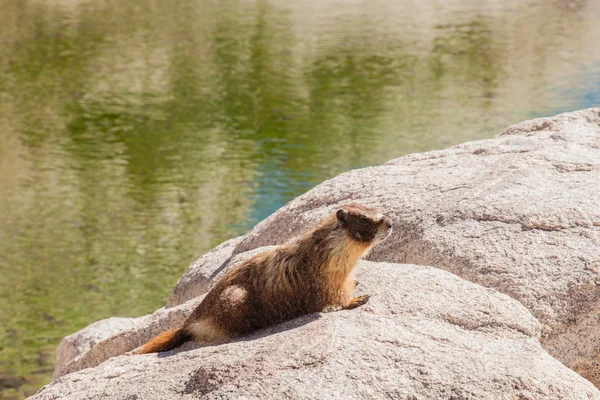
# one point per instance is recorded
(308, 274)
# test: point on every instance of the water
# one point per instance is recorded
(135, 135)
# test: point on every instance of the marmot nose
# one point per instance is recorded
(388, 222)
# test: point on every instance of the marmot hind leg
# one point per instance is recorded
(206, 331)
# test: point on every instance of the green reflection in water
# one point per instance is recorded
(134, 136)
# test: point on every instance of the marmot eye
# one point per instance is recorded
(363, 220)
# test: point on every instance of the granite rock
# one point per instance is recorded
(425, 334)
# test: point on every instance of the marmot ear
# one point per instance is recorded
(342, 215)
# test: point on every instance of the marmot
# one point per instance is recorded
(308, 274)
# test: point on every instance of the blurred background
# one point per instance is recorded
(136, 135)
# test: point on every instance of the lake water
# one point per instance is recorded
(135, 135)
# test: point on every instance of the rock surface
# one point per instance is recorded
(81, 341)
(519, 213)
(142, 329)
(405, 343)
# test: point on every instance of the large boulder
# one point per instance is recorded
(519, 213)
(425, 334)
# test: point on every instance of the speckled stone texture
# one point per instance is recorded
(81, 341)
(425, 334)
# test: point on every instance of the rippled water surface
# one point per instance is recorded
(135, 135)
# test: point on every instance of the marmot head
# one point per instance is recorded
(364, 224)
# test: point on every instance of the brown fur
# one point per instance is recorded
(308, 274)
